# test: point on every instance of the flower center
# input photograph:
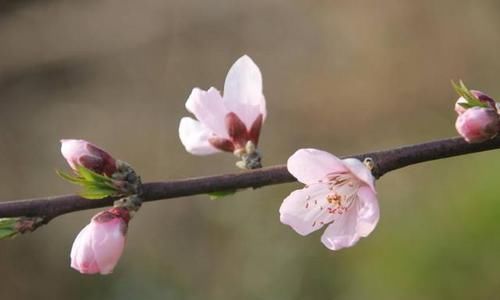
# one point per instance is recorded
(343, 192)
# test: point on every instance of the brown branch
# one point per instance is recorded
(384, 161)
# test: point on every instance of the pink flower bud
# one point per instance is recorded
(478, 124)
(99, 245)
(83, 153)
(484, 98)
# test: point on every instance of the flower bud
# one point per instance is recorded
(483, 98)
(83, 153)
(99, 245)
(478, 124)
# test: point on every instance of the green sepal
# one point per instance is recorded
(463, 91)
(8, 228)
(221, 194)
(6, 233)
(95, 186)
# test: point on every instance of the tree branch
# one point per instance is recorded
(384, 161)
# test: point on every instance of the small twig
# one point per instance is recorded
(384, 161)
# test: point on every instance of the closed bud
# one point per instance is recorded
(99, 245)
(462, 104)
(478, 124)
(82, 153)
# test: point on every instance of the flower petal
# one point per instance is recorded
(305, 210)
(368, 211)
(108, 241)
(243, 90)
(359, 170)
(194, 136)
(342, 233)
(311, 165)
(209, 109)
(82, 255)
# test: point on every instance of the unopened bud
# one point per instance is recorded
(462, 104)
(82, 153)
(99, 245)
(478, 124)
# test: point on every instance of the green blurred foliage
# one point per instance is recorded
(344, 76)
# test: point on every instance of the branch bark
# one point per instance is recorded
(384, 161)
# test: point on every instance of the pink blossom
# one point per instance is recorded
(338, 193)
(478, 124)
(226, 123)
(99, 245)
(83, 153)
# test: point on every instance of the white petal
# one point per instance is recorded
(194, 136)
(342, 233)
(305, 210)
(311, 165)
(368, 211)
(243, 90)
(209, 109)
(359, 170)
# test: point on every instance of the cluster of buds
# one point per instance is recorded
(100, 244)
(478, 118)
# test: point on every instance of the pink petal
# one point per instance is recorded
(82, 254)
(358, 169)
(368, 211)
(478, 124)
(195, 137)
(72, 149)
(305, 210)
(311, 165)
(209, 109)
(243, 91)
(342, 233)
(108, 242)
(78, 242)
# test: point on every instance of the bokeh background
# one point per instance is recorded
(344, 76)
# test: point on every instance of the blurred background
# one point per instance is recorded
(344, 76)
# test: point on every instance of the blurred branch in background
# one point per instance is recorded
(384, 161)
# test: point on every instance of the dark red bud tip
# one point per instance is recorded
(222, 144)
(255, 130)
(107, 162)
(484, 98)
(236, 129)
(112, 213)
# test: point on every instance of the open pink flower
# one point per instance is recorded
(99, 245)
(226, 123)
(83, 153)
(338, 193)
